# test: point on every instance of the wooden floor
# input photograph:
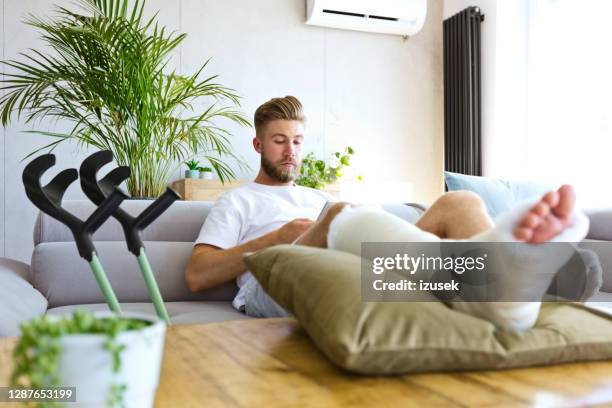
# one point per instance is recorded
(271, 362)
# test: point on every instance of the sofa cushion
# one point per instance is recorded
(179, 312)
(66, 279)
(322, 288)
(498, 195)
(19, 301)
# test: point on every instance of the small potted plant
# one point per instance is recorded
(193, 169)
(206, 173)
(315, 173)
(111, 360)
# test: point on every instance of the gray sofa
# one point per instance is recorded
(58, 280)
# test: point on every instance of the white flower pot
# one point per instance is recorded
(206, 175)
(86, 365)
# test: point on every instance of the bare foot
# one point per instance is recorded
(316, 235)
(548, 217)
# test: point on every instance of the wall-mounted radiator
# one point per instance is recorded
(462, 100)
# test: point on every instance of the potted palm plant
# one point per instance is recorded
(106, 71)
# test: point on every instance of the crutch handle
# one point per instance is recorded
(97, 190)
(49, 200)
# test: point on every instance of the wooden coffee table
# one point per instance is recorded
(271, 362)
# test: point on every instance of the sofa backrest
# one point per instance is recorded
(179, 223)
(66, 279)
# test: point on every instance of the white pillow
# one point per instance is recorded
(19, 301)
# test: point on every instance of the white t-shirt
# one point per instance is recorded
(253, 210)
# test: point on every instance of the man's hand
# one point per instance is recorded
(210, 266)
(292, 230)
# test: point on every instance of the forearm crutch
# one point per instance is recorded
(49, 200)
(98, 191)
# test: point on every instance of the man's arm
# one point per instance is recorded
(210, 266)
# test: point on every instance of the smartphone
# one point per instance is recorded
(326, 207)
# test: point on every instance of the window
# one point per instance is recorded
(569, 91)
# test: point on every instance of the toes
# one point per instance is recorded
(567, 200)
(523, 234)
(530, 220)
(541, 209)
(548, 229)
(551, 198)
(548, 217)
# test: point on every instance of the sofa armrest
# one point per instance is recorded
(17, 267)
(19, 301)
(600, 227)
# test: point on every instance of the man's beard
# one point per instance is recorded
(279, 173)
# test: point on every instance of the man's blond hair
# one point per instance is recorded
(287, 108)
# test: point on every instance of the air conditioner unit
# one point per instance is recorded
(402, 17)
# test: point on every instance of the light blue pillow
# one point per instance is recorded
(498, 195)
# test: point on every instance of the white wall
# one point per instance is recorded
(380, 94)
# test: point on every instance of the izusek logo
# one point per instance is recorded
(414, 264)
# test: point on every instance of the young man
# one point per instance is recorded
(269, 211)
(273, 210)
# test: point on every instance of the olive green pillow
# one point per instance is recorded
(322, 288)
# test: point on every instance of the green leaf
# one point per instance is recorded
(192, 164)
(320, 165)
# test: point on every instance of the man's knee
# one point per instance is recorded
(462, 198)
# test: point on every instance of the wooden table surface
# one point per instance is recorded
(271, 362)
